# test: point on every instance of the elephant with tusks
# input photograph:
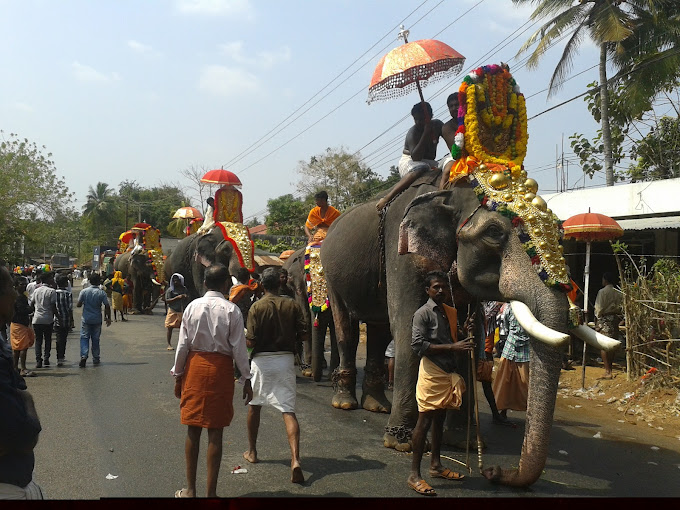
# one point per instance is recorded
(428, 229)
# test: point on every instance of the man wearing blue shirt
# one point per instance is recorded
(91, 300)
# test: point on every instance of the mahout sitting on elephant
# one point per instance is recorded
(506, 245)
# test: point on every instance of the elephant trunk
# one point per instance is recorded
(551, 308)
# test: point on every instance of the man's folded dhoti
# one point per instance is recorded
(207, 390)
(273, 380)
(21, 337)
(437, 389)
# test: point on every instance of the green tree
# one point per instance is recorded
(154, 205)
(591, 152)
(345, 178)
(30, 192)
(657, 155)
(608, 23)
(287, 215)
(100, 209)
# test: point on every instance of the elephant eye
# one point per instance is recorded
(494, 234)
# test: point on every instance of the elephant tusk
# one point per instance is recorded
(537, 330)
(592, 337)
(155, 282)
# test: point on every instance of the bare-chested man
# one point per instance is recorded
(449, 135)
(420, 150)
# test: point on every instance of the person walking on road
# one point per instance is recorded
(63, 322)
(211, 339)
(21, 334)
(44, 300)
(275, 324)
(439, 387)
(91, 300)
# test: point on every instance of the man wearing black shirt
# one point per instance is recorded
(439, 387)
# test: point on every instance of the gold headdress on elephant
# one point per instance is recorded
(489, 150)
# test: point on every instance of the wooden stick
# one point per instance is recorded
(469, 420)
(474, 385)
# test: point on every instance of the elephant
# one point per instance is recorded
(138, 268)
(429, 229)
(195, 252)
(314, 353)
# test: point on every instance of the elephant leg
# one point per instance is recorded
(317, 354)
(344, 377)
(373, 388)
(404, 413)
(335, 355)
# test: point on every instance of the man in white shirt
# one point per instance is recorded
(211, 339)
(44, 300)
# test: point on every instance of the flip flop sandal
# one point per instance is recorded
(170, 348)
(422, 487)
(27, 373)
(180, 493)
(447, 474)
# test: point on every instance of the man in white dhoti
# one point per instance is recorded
(275, 325)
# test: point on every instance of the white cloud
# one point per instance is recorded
(242, 8)
(140, 47)
(227, 81)
(24, 107)
(87, 73)
(262, 59)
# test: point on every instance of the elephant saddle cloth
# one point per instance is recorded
(239, 237)
(317, 293)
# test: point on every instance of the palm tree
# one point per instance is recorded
(101, 204)
(609, 23)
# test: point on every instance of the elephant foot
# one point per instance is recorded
(376, 404)
(344, 384)
(344, 401)
(398, 437)
(373, 390)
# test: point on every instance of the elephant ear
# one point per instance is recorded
(429, 227)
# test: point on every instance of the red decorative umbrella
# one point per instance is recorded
(187, 213)
(221, 176)
(590, 227)
(411, 65)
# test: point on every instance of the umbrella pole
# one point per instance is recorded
(403, 34)
(585, 310)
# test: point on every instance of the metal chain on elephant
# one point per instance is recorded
(400, 433)
(339, 376)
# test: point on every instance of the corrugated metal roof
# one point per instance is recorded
(267, 260)
(650, 223)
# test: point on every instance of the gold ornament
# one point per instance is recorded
(239, 233)
(539, 204)
(499, 181)
(531, 186)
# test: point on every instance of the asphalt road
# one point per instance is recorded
(122, 419)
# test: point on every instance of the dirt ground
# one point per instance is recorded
(643, 402)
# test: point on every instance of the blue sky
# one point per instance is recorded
(140, 90)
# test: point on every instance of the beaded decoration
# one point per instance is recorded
(317, 292)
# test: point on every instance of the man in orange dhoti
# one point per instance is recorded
(211, 338)
(320, 218)
(439, 387)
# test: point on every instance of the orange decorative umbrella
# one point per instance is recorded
(411, 65)
(187, 213)
(590, 227)
(221, 176)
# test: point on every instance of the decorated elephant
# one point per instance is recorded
(228, 244)
(425, 229)
(139, 269)
(140, 258)
(505, 244)
(319, 322)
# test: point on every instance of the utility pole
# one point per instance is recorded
(127, 200)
